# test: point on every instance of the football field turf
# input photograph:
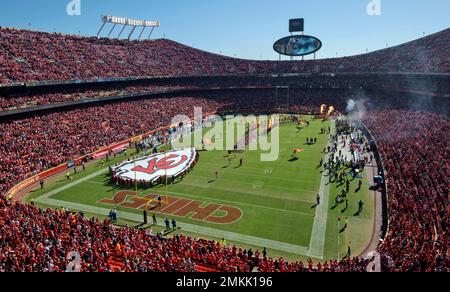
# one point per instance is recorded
(276, 199)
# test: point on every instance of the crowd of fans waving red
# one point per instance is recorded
(32, 100)
(13, 98)
(415, 148)
(39, 240)
(40, 142)
(36, 240)
(27, 56)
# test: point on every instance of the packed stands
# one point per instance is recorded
(27, 56)
(73, 133)
(414, 147)
(407, 148)
(33, 144)
(28, 97)
(32, 100)
(40, 142)
(36, 240)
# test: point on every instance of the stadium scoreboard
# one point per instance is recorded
(297, 45)
(297, 25)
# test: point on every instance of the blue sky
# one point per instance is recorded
(245, 28)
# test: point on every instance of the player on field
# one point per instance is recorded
(174, 224)
(167, 222)
(360, 207)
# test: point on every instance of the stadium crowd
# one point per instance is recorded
(26, 151)
(36, 240)
(414, 148)
(413, 145)
(27, 56)
(36, 143)
(24, 99)
(31, 145)
(32, 100)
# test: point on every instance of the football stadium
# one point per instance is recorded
(123, 150)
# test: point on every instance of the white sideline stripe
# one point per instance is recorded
(319, 230)
(72, 184)
(95, 182)
(216, 233)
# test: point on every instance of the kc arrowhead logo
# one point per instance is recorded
(151, 168)
(164, 163)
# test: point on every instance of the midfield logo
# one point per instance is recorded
(151, 168)
(164, 163)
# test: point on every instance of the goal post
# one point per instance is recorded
(158, 201)
(286, 90)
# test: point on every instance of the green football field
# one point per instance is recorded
(276, 199)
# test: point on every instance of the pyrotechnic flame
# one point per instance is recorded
(322, 108)
(330, 110)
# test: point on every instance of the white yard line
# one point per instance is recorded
(95, 182)
(74, 183)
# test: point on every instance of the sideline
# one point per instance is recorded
(319, 229)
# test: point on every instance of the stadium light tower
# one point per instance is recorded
(151, 32)
(127, 22)
(113, 27)
(123, 28)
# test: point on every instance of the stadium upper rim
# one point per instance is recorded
(424, 55)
